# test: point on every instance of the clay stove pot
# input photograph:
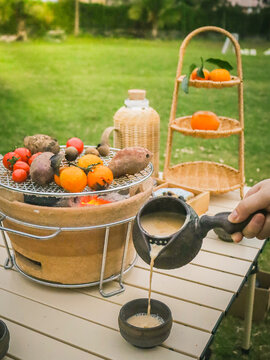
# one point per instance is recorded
(72, 257)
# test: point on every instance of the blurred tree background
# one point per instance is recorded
(25, 16)
(136, 18)
(157, 13)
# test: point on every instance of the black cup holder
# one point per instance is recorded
(145, 337)
(4, 339)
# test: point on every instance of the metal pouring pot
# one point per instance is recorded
(182, 246)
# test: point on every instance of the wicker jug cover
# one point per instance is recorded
(138, 126)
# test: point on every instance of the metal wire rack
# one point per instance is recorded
(30, 188)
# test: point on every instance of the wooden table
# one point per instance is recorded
(50, 323)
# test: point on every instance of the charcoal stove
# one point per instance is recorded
(71, 246)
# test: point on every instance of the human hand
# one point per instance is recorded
(257, 198)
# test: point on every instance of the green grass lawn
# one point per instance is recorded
(74, 89)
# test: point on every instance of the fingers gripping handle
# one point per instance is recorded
(220, 220)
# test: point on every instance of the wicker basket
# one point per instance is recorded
(227, 127)
(212, 84)
(205, 176)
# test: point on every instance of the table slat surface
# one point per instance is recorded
(50, 323)
(205, 276)
(180, 289)
(184, 312)
(31, 345)
(227, 264)
(73, 330)
(253, 243)
(229, 249)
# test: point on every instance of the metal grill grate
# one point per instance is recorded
(31, 188)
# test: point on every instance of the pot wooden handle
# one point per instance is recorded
(220, 220)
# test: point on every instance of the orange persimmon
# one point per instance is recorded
(220, 75)
(89, 159)
(73, 179)
(100, 177)
(194, 75)
(204, 120)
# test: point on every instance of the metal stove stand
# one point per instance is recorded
(11, 261)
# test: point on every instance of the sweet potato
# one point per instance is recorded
(130, 160)
(41, 143)
(41, 171)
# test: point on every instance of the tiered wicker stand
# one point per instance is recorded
(205, 175)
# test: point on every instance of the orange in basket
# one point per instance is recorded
(220, 75)
(204, 120)
(73, 179)
(194, 75)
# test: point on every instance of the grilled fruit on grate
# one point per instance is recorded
(130, 161)
(41, 143)
(41, 171)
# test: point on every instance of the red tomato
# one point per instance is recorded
(77, 143)
(19, 175)
(24, 153)
(21, 165)
(10, 159)
(32, 158)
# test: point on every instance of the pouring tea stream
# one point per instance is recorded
(168, 234)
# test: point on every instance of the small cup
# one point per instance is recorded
(4, 339)
(145, 337)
